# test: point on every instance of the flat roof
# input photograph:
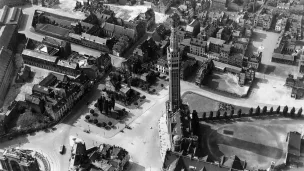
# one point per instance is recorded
(227, 66)
(39, 55)
(294, 143)
(216, 41)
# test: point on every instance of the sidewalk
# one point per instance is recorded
(163, 136)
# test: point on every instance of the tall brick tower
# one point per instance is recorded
(174, 63)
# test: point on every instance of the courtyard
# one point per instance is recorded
(246, 138)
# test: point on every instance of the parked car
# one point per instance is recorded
(61, 149)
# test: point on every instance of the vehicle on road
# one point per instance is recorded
(61, 149)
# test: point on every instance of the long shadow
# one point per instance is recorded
(258, 37)
(259, 149)
(266, 69)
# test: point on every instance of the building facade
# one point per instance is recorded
(18, 160)
(173, 58)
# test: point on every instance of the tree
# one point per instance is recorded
(250, 111)
(239, 113)
(271, 111)
(91, 111)
(278, 110)
(211, 115)
(257, 111)
(292, 112)
(285, 110)
(204, 116)
(299, 112)
(231, 113)
(225, 115)
(218, 114)
(195, 123)
(112, 102)
(264, 111)
(106, 106)
(110, 123)
(95, 121)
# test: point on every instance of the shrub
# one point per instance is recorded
(292, 112)
(95, 105)
(135, 103)
(285, 110)
(143, 97)
(104, 124)
(162, 85)
(211, 115)
(299, 112)
(99, 124)
(90, 120)
(264, 111)
(91, 111)
(239, 113)
(278, 110)
(204, 116)
(153, 90)
(271, 111)
(250, 111)
(95, 121)
(257, 111)
(110, 123)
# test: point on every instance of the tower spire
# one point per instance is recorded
(173, 58)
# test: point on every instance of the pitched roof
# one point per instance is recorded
(6, 34)
(5, 59)
(233, 162)
(38, 55)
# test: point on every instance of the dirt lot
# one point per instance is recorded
(268, 41)
(272, 92)
(226, 82)
(246, 139)
(17, 91)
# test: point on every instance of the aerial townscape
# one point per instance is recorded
(156, 85)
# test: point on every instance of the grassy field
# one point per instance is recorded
(247, 139)
(204, 104)
(199, 103)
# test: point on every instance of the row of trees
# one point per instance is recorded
(258, 111)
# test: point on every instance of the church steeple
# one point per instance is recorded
(173, 58)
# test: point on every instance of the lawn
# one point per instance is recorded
(199, 103)
(226, 82)
(246, 138)
(204, 104)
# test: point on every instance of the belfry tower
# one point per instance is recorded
(174, 64)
